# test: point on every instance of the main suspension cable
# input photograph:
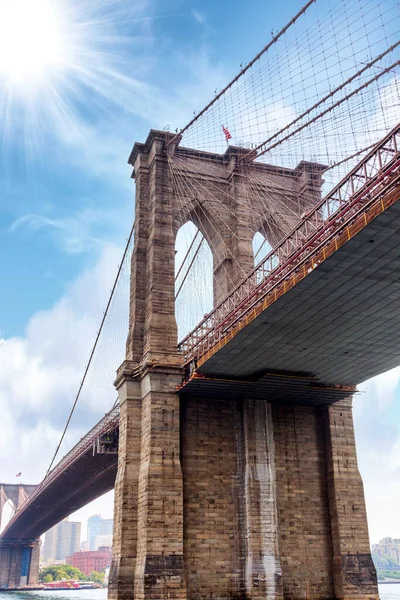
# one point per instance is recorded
(94, 347)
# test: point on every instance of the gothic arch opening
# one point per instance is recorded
(6, 513)
(193, 278)
(261, 247)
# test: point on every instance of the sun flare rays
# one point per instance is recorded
(59, 58)
(30, 38)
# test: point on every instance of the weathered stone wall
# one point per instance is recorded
(212, 529)
(305, 541)
(353, 570)
(126, 490)
(33, 577)
(10, 564)
(159, 571)
(258, 491)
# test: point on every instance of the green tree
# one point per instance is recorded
(97, 577)
(74, 572)
(392, 574)
(59, 572)
(47, 578)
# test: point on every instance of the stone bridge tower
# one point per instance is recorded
(19, 560)
(224, 499)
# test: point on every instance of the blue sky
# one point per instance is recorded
(61, 196)
(66, 201)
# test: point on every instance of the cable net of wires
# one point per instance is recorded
(325, 89)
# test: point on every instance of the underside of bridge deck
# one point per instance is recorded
(83, 481)
(339, 325)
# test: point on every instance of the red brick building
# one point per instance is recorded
(92, 560)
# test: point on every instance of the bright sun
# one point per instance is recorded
(30, 38)
(56, 57)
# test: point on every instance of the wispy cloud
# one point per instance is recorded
(72, 233)
(199, 17)
(88, 228)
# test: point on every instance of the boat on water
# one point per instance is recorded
(89, 585)
(70, 585)
(61, 585)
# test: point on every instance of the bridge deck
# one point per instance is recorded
(87, 479)
(80, 477)
(341, 323)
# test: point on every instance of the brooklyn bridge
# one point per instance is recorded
(230, 441)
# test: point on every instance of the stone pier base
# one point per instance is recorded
(261, 501)
(19, 563)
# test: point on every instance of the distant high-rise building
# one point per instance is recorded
(49, 546)
(62, 540)
(93, 529)
(68, 539)
(97, 528)
(388, 548)
(107, 527)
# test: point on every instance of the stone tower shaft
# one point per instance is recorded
(224, 498)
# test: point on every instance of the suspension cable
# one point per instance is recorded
(340, 162)
(330, 108)
(190, 266)
(94, 347)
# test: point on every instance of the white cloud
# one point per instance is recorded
(40, 373)
(378, 448)
(102, 149)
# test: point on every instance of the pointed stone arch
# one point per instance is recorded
(7, 512)
(193, 285)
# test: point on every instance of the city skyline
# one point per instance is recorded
(99, 535)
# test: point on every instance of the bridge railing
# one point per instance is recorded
(108, 423)
(325, 221)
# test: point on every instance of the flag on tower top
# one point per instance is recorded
(226, 132)
(18, 474)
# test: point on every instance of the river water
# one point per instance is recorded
(57, 595)
(387, 591)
